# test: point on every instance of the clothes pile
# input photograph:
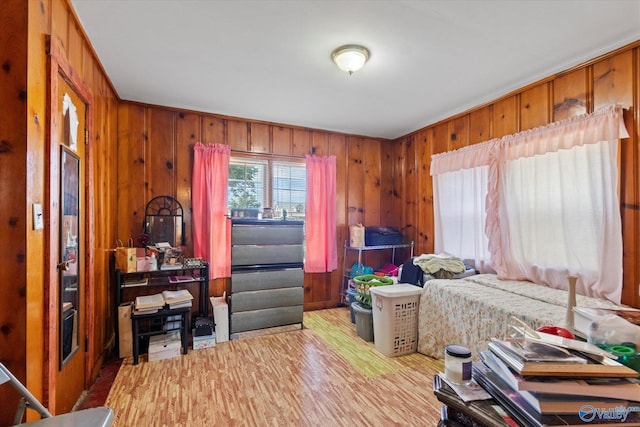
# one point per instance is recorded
(440, 266)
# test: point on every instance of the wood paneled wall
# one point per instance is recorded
(142, 151)
(610, 79)
(13, 161)
(155, 157)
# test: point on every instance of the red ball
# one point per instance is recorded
(556, 330)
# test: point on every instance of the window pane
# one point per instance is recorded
(247, 180)
(289, 183)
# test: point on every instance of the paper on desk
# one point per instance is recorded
(467, 393)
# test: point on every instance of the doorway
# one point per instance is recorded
(69, 240)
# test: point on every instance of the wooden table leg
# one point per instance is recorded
(136, 343)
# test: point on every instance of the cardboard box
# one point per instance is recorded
(220, 318)
(204, 341)
(164, 346)
(125, 338)
(126, 260)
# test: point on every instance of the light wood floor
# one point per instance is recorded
(323, 375)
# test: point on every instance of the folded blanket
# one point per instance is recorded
(442, 266)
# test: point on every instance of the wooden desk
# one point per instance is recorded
(184, 314)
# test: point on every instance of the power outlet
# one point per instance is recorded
(38, 218)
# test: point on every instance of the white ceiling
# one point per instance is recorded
(271, 59)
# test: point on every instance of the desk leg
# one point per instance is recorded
(185, 329)
(136, 343)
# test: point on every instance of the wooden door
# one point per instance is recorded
(69, 239)
(71, 247)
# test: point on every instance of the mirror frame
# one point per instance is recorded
(70, 252)
(164, 217)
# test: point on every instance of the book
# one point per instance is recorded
(541, 352)
(130, 283)
(547, 403)
(174, 297)
(611, 388)
(603, 367)
(145, 311)
(181, 304)
(155, 301)
(180, 279)
(567, 403)
(513, 403)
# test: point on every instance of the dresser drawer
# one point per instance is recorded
(255, 280)
(267, 235)
(255, 300)
(267, 254)
(267, 318)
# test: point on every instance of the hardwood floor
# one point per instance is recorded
(322, 375)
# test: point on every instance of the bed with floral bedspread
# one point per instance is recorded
(472, 310)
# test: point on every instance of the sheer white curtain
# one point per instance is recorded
(460, 182)
(553, 208)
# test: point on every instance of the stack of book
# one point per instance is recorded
(543, 384)
(177, 299)
(148, 304)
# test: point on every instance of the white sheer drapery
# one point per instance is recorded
(459, 204)
(552, 207)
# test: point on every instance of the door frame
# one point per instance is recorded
(59, 67)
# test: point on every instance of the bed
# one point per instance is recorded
(472, 310)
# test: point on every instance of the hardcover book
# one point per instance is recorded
(603, 367)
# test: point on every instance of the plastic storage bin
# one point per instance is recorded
(351, 294)
(364, 322)
(395, 318)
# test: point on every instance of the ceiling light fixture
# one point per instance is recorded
(350, 58)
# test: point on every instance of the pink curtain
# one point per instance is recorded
(211, 230)
(320, 217)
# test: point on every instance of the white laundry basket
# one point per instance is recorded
(395, 318)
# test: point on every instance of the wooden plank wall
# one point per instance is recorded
(155, 157)
(609, 79)
(142, 151)
(13, 159)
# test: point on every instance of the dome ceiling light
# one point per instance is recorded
(350, 58)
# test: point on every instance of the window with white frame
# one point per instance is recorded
(267, 183)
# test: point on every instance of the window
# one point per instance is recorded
(247, 184)
(460, 206)
(265, 183)
(551, 204)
